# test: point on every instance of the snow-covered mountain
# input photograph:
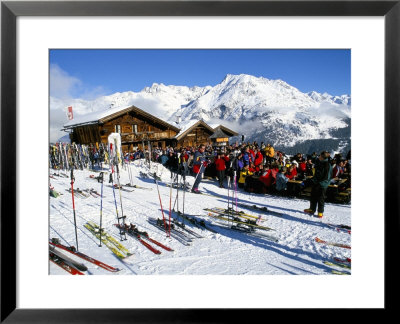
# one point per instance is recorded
(259, 108)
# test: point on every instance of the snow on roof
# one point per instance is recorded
(227, 129)
(214, 126)
(185, 125)
(219, 133)
(93, 117)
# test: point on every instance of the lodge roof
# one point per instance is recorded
(225, 129)
(106, 115)
(228, 131)
(190, 125)
(219, 133)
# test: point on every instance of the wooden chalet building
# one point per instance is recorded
(136, 127)
(194, 133)
(221, 136)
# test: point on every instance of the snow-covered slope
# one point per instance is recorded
(225, 252)
(276, 111)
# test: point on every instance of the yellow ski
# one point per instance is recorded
(106, 242)
(109, 238)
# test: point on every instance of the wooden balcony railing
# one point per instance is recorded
(133, 137)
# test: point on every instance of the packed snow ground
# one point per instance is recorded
(227, 252)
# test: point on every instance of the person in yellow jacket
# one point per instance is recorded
(242, 176)
(269, 153)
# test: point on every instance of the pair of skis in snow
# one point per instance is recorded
(109, 241)
(66, 263)
(237, 218)
(340, 228)
(242, 222)
(345, 246)
(69, 264)
(141, 236)
(199, 223)
(342, 263)
(175, 233)
(262, 209)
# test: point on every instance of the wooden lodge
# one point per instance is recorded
(138, 128)
(193, 134)
(221, 136)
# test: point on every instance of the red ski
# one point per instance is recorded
(339, 228)
(138, 237)
(60, 262)
(72, 250)
(158, 243)
(147, 237)
(346, 260)
(332, 243)
(152, 249)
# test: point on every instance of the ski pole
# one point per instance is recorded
(195, 179)
(183, 198)
(159, 196)
(101, 201)
(112, 183)
(229, 184)
(170, 207)
(73, 206)
(235, 192)
(119, 189)
(177, 193)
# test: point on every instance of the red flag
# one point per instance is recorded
(70, 113)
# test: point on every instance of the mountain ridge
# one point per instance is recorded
(259, 108)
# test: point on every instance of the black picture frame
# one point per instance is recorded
(10, 10)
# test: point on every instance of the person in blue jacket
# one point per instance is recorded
(321, 180)
(247, 158)
(281, 181)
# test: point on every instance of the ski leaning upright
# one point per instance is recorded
(115, 139)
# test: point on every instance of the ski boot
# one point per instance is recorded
(309, 211)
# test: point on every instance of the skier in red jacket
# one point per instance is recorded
(220, 167)
(258, 159)
(266, 177)
(292, 172)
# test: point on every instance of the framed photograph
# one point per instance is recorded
(30, 30)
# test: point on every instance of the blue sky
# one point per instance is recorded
(91, 73)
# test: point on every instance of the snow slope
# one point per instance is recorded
(226, 253)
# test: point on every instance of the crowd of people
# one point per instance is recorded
(256, 167)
